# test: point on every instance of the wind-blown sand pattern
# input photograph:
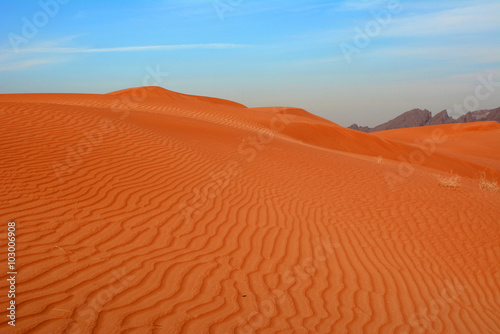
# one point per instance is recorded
(150, 211)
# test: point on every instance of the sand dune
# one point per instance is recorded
(476, 142)
(150, 211)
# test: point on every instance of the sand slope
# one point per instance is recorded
(150, 211)
(476, 142)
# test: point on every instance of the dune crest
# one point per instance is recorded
(475, 142)
(150, 211)
(162, 93)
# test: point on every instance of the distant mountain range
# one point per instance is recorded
(419, 117)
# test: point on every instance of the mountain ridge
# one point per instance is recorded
(423, 117)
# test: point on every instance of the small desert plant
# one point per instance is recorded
(452, 181)
(485, 184)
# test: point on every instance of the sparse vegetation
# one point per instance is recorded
(452, 182)
(486, 184)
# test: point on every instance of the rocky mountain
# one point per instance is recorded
(359, 128)
(419, 117)
(441, 118)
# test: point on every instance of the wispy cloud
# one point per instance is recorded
(475, 53)
(11, 61)
(360, 5)
(21, 65)
(29, 58)
(320, 61)
(135, 48)
(464, 20)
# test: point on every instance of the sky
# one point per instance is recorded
(349, 61)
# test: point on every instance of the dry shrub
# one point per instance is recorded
(486, 184)
(452, 182)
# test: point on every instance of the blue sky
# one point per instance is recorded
(307, 54)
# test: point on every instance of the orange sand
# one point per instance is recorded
(476, 142)
(150, 211)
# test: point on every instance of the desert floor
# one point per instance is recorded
(150, 211)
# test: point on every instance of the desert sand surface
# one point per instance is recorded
(151, 211)
(476, 142)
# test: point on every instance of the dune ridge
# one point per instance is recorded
(150, 211)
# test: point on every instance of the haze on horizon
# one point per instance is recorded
(418, 54)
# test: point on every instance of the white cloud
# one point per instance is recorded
(134, 48)
(475, 54)
(361, 5)
(21, 65)
(25, 58)
(320, 61)
(464, 20)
